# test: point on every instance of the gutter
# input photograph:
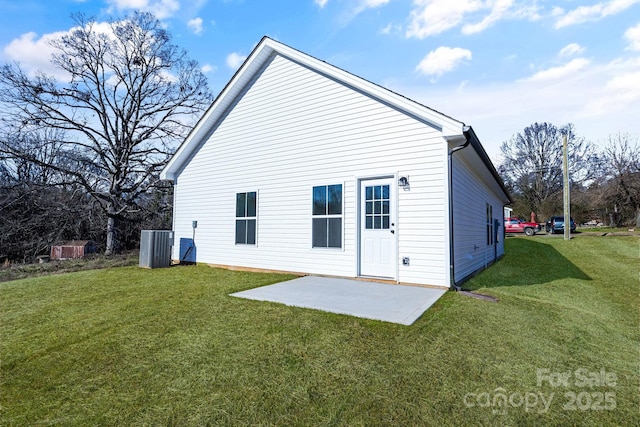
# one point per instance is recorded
(452, 277)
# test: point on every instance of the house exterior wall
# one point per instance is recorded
(294, 129)
(470, 198)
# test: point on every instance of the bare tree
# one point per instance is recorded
(38, 205)
(532, 165)
(129, 95)
(619, 188)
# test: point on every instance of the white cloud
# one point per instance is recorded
(561, 71)
(31, 52)
(391, 29)
(617, 92)
(620, 94)
(195, 25)
(557, 11)
(357, 7)
(571, 50)
(600, 100)
(160, 8)
(207, 68)
(626, 83)
(633, 36)
(498, 11)
(443, 59)
(373, 3)
(594, 12)
(235, 60)
(363, 5)
(433, 17)
(34, 54)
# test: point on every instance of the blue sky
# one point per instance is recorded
(497, 65)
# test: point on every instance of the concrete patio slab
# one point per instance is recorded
(369, 300)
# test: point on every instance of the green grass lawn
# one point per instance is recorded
(128, 346)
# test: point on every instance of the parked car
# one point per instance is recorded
(516, 225)
(555, 224)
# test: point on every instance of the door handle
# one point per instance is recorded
(393, 231)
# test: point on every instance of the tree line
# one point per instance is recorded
(81, 149)
(604, 181)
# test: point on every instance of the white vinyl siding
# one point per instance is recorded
(472, 200)
(292, 129)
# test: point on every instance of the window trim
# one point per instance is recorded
(245, 218)
(327, 215)
(489, 224)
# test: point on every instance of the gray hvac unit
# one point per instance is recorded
(155, 248)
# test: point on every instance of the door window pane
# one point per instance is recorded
(377, 207)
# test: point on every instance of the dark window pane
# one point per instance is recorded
(377, 207)
(377, 192)
(369, 193)
(335, 199)
(241, 231)
(241, 204)
(385, 222)
(335, 233)
(319, 233)
(377, 222)
(369, 222)
(251, 231)
(385, 207)
(251, 203)
(369, 208)
(320, 200)
(385, 191)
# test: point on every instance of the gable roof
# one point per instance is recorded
(452, 130)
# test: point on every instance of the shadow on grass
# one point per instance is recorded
(527, 262)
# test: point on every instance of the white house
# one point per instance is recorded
(300, 166)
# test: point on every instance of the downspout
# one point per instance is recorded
(452, 276)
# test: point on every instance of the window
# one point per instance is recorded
(489, 224)
(246, 208)
(327, 216)
(377, 215)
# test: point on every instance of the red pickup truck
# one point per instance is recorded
(516, 225)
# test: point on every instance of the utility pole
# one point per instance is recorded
(565, 185)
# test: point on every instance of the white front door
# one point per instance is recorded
(377, 228)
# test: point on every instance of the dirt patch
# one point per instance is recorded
(92, 262)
